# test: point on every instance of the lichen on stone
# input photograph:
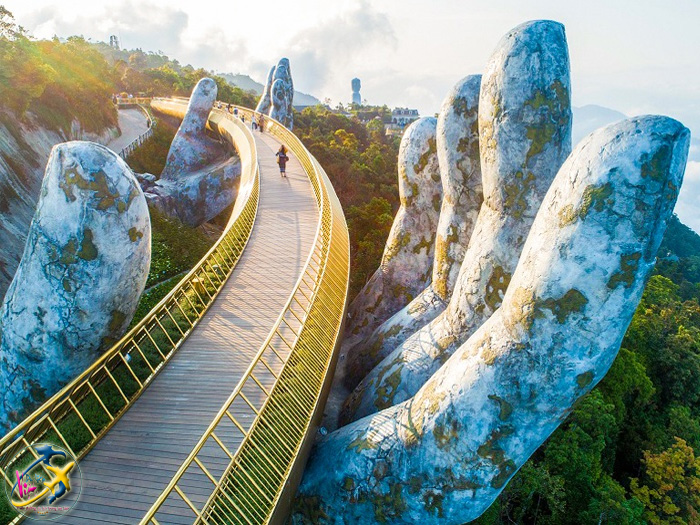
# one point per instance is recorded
(584, 379)
(655, 166)
(571, 302)
(628, 268)
(496, 287)
(505, 408)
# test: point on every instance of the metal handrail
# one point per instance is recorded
(125, 101)
(95, 400)
(289, 376)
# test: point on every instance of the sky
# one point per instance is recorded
(634, 56)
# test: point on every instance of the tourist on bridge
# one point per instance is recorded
(261, 124)
(282, 159)
(253, 122)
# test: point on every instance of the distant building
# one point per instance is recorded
(114, 41)
(356, 86)
(402, 117)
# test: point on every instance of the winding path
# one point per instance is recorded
(132, 122)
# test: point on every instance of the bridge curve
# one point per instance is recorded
(247, 369)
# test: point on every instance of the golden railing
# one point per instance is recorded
(265, 429)
(85, 409)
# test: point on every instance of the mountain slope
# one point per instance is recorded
(591, 117)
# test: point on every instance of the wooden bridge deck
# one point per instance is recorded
(132, 464)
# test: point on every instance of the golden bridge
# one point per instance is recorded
(206, 410)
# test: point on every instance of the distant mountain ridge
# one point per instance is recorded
(591, 117)
(248, 84)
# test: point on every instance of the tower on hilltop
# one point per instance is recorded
(356, 85)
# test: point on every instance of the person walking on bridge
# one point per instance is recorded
(261, 124)
(282, 159)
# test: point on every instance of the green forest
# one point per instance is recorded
(630, 451)
(361, 161)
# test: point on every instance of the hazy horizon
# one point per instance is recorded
(634, 57)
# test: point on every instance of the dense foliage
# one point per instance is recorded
(150, 156)
(59, 81)
(56, 81)
(360, 160)
(175, 249)
(154, 74)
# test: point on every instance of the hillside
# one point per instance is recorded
(50, 92)
(54, 91)
(155, 74)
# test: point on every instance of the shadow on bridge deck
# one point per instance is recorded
(127, 470)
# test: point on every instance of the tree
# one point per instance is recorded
(671, 489)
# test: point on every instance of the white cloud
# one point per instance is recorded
(325, 58)
(148, 25)
(145, 25)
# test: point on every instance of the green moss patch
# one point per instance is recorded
(572, 301)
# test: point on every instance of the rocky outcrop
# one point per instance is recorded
(407, 261)
(282, 94)
(264, 103)
(524, 137)
(458, 155)
(444, 455)
(25, 145)
(200, 178)
(82, 273)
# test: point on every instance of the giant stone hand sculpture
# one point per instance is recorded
(445, 454)
(191, 148)
(264, 102)
(83, 270)
(282, 94)
(489, 386)
(277, 98)
(524, 137)
(457, 145)
(408, 255)
(199, 179)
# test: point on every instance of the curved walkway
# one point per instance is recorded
(132, 123)
(127, 470)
